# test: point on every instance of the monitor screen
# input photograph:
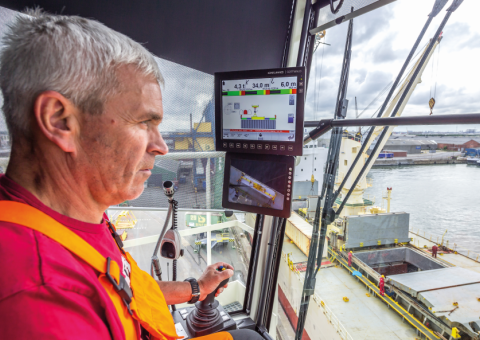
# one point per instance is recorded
(260, 111)
(260, 184)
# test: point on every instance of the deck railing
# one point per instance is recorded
(443, 241)
(339, 327)
(331, 317)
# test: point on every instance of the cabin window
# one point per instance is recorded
(354, 150)
(345, 162)
(305, 158)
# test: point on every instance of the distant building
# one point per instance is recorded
(163, 170)
(410, 146)
(458, 145)
(450, 143)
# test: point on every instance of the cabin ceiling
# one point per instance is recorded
(208, 35)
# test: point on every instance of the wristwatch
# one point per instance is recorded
(195, 289)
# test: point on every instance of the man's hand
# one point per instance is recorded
(211, 278)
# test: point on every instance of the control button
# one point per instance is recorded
(300, 90)
(290, 148)
(289, 172)
(288, 198)
(288, 190)
(289, 169)
(245, 145)
(267, 146)
(274, 147)
(225, 144)
(289, 177)
(252, 146)
(289, 182)
(282, 147)
(259, 146)
(239, 145)
(300, 83)
(231, 145)
(288, 194)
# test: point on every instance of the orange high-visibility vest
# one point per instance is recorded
(147, 305)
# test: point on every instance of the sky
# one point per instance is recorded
(382, 40)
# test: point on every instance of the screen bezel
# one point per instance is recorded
(289, 161)
(297, 145)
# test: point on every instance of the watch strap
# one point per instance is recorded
(195, 289)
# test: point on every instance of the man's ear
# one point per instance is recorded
(57, 119)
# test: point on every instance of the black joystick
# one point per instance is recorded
(205, 318)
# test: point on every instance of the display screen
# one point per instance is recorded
(257, 183)
(262, 109)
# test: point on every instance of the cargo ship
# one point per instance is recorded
(379, 277)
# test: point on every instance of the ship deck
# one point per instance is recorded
(364, 317)
(457, 260)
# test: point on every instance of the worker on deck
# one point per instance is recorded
(434, 251)
(82, 104)
(350, 254)
(381, 285)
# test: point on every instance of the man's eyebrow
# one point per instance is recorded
(151, 116)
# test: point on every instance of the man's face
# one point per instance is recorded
(117, 149)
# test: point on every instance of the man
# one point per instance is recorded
(434, 251)
(381, 285)
(82, 104)
(350, 254)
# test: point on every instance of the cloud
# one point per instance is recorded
(382, 40)
(360, 76)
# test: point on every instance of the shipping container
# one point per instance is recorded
(300, 232)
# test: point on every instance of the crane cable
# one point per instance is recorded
(364, 131)
(389, 85)
(431, 102)
(315, 103)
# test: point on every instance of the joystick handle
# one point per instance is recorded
(207, 303)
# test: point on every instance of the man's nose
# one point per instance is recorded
(157, 144)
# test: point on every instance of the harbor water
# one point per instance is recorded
(437, 197)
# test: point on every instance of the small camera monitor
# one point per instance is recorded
(260, 184)
(260, 111)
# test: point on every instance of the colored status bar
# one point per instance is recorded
(259, 92)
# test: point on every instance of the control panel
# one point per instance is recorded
(260, 111)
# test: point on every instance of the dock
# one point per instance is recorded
(421, 159)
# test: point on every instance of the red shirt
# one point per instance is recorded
(46, 292)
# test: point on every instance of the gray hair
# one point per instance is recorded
(71, 55)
